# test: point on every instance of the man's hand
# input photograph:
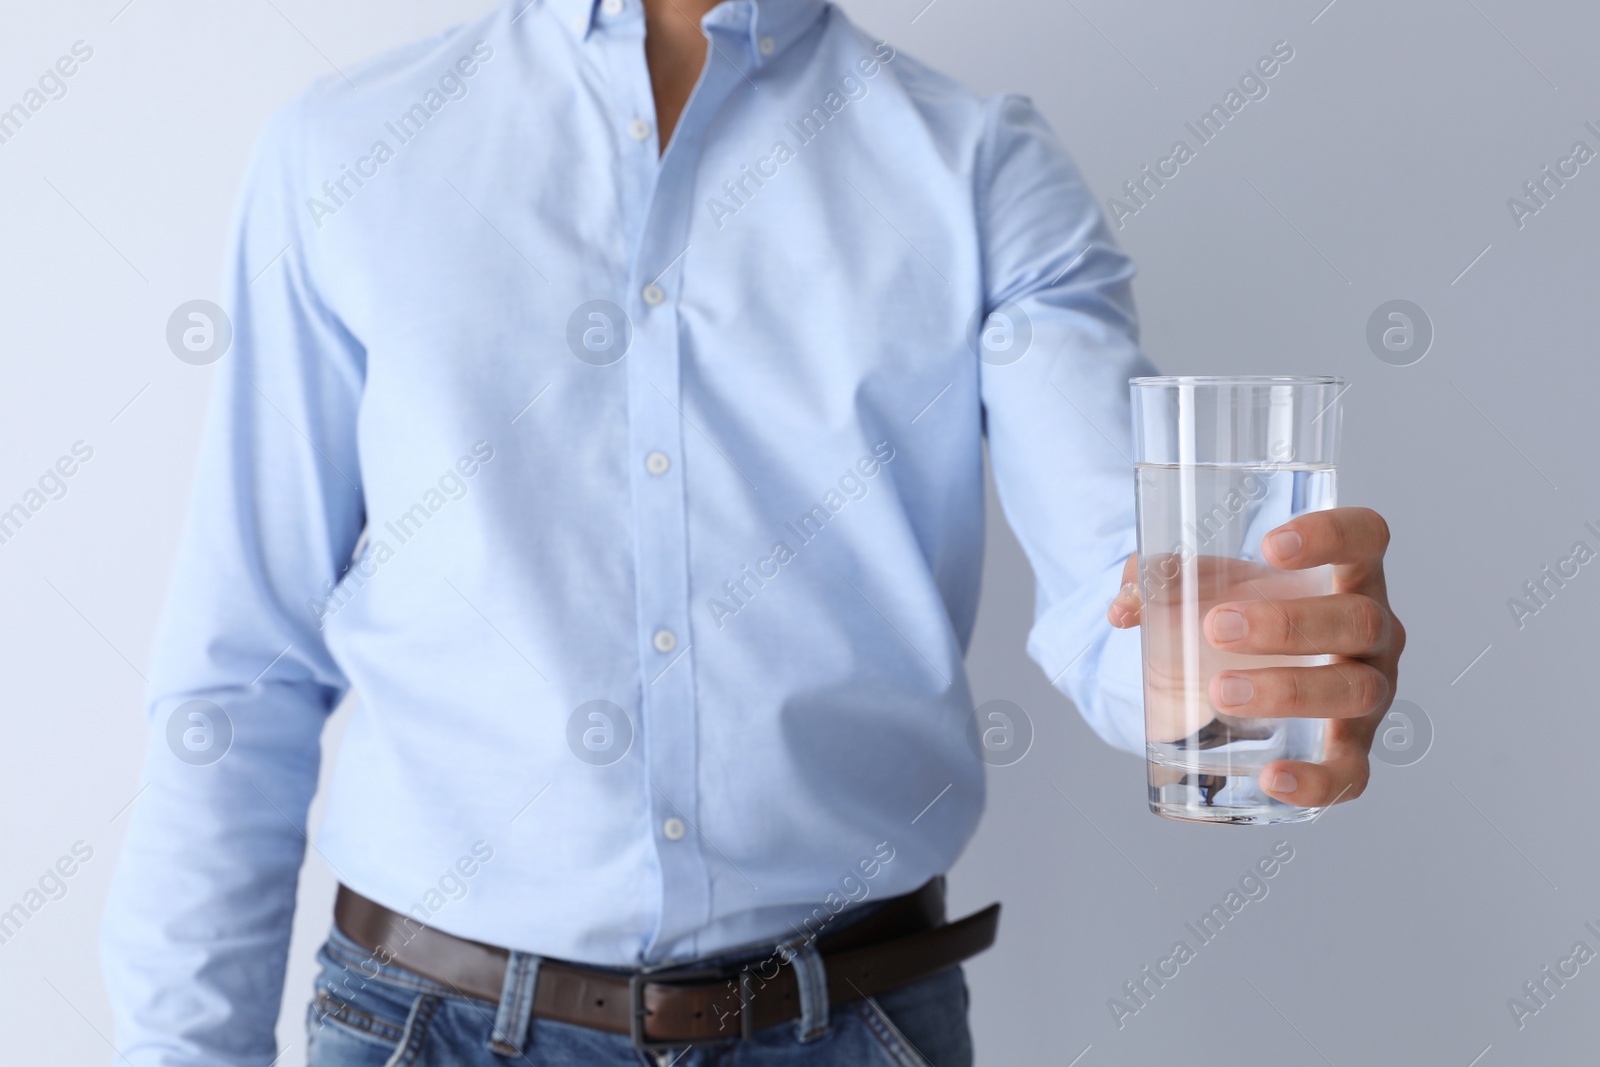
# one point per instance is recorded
(1354, 625)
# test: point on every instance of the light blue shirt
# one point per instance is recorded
(637, 496)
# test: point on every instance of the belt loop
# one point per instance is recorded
(812, 979)
(512, 1020)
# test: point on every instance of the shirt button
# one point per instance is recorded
(638, 129)
(611, 7)
(673, 828)
(766, 44)
(665, 641)
(653, 294)
(657, 463)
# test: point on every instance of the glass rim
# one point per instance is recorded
(1154, 380)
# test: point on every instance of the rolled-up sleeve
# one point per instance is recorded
(1057, 416)
(196, 933)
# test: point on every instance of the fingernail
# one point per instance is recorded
(1128, 593)
(1285, 543)
(1283, 782)
(1234, 690)
(1229, 625)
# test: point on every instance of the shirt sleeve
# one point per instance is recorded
(1056, 408)
(196, 933)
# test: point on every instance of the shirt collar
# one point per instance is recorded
(767, 27)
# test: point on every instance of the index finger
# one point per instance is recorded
(1352, 539)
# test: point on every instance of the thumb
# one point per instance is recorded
(1124, 609)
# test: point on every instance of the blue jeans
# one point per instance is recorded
(367, 1014)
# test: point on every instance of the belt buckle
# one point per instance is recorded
(666, 976)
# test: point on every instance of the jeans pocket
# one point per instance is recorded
(923, 1024)
(897, 1048)
(357, 1021)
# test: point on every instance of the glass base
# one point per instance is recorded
(1235, 816)
(1237, 799)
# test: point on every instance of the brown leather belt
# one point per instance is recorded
(902, 940)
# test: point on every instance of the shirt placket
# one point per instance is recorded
(656, 278)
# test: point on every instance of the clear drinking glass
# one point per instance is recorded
(1220, 462)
